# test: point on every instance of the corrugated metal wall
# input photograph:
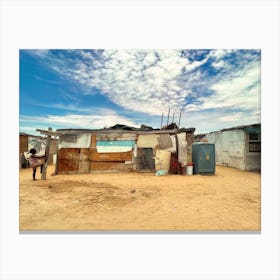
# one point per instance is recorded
(88, 159)
(87, 153)
(230, 147)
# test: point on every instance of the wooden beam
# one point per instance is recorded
(48, 132)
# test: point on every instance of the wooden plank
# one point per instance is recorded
(47, 132)
(95, 156)
(93, 141)
(53, 146)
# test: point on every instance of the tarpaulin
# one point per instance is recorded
(182, 148)
(147, 141)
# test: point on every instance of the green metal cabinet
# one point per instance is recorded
(203, 156)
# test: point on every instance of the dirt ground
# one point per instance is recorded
(228, 200)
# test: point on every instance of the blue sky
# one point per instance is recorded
(92, 89)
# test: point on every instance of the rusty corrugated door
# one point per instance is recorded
(73, 160)
(68, 160)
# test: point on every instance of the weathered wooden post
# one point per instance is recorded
(45, 166)
(56, 163)
(49, 134)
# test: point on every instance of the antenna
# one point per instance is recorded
(161, 120)
(168, 116)
(180, 118)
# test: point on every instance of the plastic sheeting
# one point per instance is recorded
(164, 141)
(173, 148)
(182, 148)
(147, 141)
(162, 160)
(75, 141)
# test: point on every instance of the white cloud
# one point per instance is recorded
(218, 64)
(217, 119)
(220, 53)
(231, 117)
(95, 121)
(240, 91)
(39, 52)
(139, 80)
(151, 81)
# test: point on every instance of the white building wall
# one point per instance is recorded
(229, 147)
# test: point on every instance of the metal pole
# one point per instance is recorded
(173, 118)
(168, 116)
(161, 120)
(180, 118)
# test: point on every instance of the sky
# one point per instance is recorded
(93, 89)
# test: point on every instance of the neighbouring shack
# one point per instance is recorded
(27, 142)
(122, 148)
(238, 147)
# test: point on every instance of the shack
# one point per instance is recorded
(123, 148)
(238, 147)
(28, 141)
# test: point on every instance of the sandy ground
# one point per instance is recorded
(228, 200)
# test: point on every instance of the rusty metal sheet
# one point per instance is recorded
(69, 154)
(110, 166)
(95, 156)
(116, 136)
(65, 165)
(73, 159)
(84, 167)
(84, 154)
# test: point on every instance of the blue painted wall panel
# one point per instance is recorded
(118, 143)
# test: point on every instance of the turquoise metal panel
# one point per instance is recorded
(118, 143)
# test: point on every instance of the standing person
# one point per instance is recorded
(35, 161)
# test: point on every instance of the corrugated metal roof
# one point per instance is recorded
(136, 131)
(255, 127)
